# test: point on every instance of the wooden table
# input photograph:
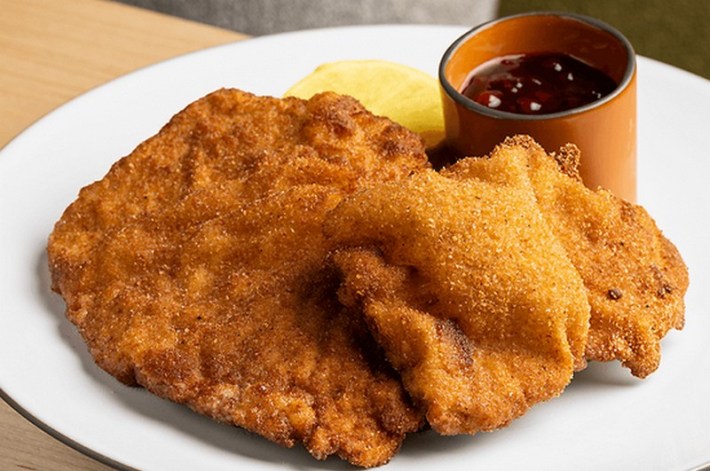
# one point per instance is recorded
(50, 52)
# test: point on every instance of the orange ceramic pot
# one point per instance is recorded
(604, 131)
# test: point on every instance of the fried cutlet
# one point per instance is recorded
(468, 291)
(197, 268)
(635, 277)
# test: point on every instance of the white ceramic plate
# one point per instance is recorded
(605, 420)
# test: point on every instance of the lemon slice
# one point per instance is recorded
(405, 95)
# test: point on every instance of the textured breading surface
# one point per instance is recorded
(296, 268)
(196, 268)
(635, 277)
(468, 291)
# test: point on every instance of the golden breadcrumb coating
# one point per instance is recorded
(635, 277)
(196, 268)
(468, 291)
(294, 267)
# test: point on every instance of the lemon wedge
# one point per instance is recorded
(405, 95)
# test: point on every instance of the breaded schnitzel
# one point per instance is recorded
(468, 291)
(635, 277)
(196, 268)
(274, 264)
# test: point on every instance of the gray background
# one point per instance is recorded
(673, 31)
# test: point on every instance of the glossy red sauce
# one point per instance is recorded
(539, 83)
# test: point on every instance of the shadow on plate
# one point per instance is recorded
(220, 436)
(600, 374)
(428, 444)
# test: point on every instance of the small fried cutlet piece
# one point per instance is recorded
(635, 277)
(469, 293)
(197, 268)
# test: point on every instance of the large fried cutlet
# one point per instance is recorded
(635, 277)
(468, 291)
(196, 268)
